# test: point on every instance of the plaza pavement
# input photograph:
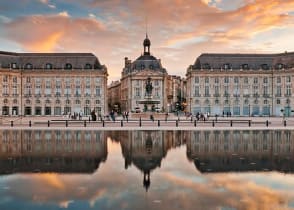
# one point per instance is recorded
(172, 123)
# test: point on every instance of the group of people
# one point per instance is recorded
(74, 116)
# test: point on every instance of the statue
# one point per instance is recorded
(148, 87)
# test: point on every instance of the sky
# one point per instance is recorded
(179, 30)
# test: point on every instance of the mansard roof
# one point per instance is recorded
(247, 61)
(56, 60)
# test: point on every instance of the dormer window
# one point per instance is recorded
(245, 67)
(279, 66)
(265, 67)
(88, 66)
(28, 66)
(49, 66)
(151, 66)
(206, 66)
(227, 66)
(68, 66)
(13, 65)
(142, 66)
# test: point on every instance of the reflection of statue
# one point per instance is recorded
(149, 86)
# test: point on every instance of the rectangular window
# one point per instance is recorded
(216, 80)
(265, 80)
(236, 80)
(227, 80)
(206, 91)
(288, 79)
(98, 91)
(196, 91)
(255, 80)
(137, 92)
(245, 80)
(279, 91)
(206, 80)
(278, 79)
(197, 80)
(288, 90)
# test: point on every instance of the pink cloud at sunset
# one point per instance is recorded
(179, 30)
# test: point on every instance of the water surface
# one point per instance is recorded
(146, 169)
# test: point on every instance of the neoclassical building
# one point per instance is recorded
(52, 84)
(241, 84)
(133, 82)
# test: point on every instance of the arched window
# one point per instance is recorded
(38, 101)
(28, 66)
(246, 101)
(57, 101)
(67, 101)
(68, 66)
(47, 101)
(5, 101)
(97, 101)
(78, 102)
(88, 66)
(87, 101)
(15, 101)
(49, 66)
(197, 101)
(28, 101)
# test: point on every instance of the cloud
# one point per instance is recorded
(179, 30)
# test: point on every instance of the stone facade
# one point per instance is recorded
(241, 84)
(133, 82)
(52, 84)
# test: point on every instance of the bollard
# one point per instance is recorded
(48, 123)
(249, 123)
(158, 123)
(266, 123)
(231, 123)
(11, 123)
(212, 123)
(177, 124)
(30, 123)
(66, 123)
(121, 124)
(85, 123)
(140, 122)
(285, 123)
(191, 119)
(103, 123)
(194, 123)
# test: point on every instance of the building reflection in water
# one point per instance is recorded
(146, 149)
(226, 151)
(64, 151)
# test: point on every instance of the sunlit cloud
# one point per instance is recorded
(190, 27)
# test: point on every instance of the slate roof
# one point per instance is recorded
(57, 60)
(239, 61)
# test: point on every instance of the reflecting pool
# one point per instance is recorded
(81, 169)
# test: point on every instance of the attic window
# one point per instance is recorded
(279, 66)
(13, 65)
(68, 66)
(265, 67)
(245, 66)
(28, 66)
(227, 66)
(206, 66)
(88, 66)
(49, 66)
